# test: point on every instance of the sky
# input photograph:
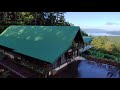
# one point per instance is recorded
(98, 20)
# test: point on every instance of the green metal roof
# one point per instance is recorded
(46, 43)
(87, 39)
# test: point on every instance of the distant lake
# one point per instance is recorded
(101, 34)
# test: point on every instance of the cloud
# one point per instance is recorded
(112, 23)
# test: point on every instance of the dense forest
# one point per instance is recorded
(33, 18)
(106, 47)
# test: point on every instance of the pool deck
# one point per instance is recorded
(67, 63)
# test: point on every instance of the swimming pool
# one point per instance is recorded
(91, 69)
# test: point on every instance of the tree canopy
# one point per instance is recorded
(109, 45)
(33, 18)
(103, 43)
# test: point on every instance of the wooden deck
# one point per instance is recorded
(18, 69)
(67, 63)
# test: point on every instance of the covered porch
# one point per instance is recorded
(22, 65)
(85, 48)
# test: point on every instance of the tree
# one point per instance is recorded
(99, 42)
(109, 46)
(84, 33)
(33, 18)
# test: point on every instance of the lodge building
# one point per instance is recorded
(40, 48)
(87, 40)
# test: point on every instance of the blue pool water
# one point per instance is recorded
(90, 69)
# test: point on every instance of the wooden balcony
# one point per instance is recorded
(85, 48)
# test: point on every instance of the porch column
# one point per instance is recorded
(78, 52)
(4, 53)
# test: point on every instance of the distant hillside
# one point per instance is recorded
(114, 32)
(94, 30)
